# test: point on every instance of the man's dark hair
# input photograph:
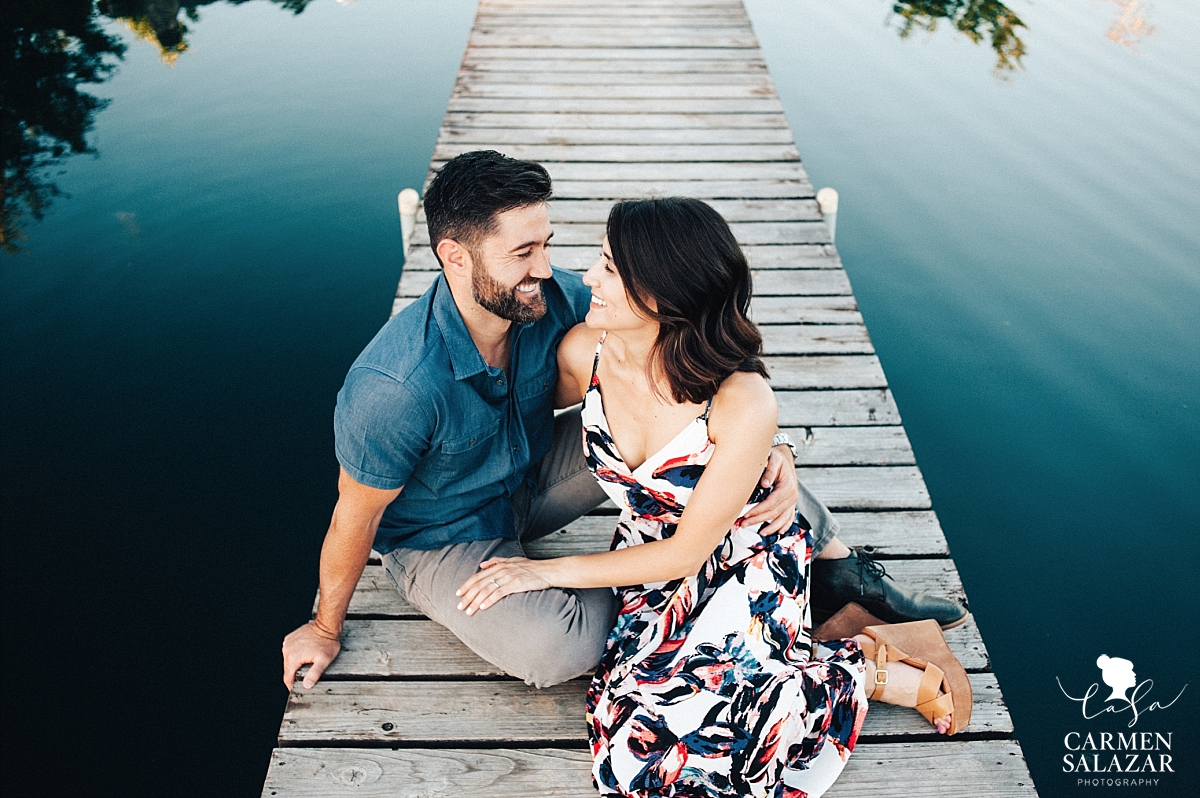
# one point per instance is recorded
(467, 194)
(680, 253)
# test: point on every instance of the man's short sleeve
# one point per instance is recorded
(380, 429)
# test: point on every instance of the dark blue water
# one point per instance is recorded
(1022, 242)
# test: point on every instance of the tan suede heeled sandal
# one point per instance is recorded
(929, 652)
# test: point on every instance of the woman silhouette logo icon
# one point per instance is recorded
(1118, 674)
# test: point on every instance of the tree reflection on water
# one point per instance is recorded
(51, 50)
(978, 19)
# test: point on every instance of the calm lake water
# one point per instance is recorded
(1023, 243)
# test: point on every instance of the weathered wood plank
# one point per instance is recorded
(852, 446)
(804, 310)
(800, 282)
(980, 768)
(605, 77)
(376, 597)
(665, 187)
(778, 310)
(867, 487)
(416, 649)
(676, 171)
(677, 57)
(763, 105)
(747, 67)
(559, 39)
(764, 234)
(826, 371)
(741, 210)
(816, 339)
(467, 87)
(549, 16)
(909, 533)
(564, 6)
(498, 137)
(654, 121)
(503, 712)
(849, 408)
(632, 153)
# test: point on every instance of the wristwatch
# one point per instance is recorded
(782, 438)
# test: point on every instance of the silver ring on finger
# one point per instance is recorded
(494, 582)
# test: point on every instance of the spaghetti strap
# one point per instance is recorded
(596, 360)
(707, 407)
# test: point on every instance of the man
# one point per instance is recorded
(450, 452)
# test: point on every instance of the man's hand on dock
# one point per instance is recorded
(308, 645)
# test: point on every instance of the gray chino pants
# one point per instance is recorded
(547, 636)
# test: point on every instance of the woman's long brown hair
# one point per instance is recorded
(680, 253)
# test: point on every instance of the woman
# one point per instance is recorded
(710, 684)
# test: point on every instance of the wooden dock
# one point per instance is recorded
(627, 99)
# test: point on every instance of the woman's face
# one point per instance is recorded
(611, 308)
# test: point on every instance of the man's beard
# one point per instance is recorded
(493, 296)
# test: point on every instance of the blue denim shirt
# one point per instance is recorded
(422, 410)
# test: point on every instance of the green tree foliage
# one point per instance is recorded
(978, 19)
(50, 49)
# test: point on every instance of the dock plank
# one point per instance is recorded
(981, 768)
(619, 91)
(846, 408)
(568, 210)
(799, 282)
(505, 712)
(573, 136)
(634, 153)
(823, 339)
(423, 649)
(376, 597)
(824, 371)
(748, 234)
(840, 446)
(805, 310)
(650, 121)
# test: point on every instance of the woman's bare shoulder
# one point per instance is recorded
(578, 347)
(744, 399)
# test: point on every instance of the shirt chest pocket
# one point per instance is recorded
(537, 385)
(474, 443)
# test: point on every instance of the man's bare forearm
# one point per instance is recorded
(343, 557)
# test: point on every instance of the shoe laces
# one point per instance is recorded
(867, 566)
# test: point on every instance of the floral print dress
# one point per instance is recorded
(710, 685)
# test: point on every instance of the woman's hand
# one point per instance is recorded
(778, 510)
(500, 577)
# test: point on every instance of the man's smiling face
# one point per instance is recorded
(510, 264)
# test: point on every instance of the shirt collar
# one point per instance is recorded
(464, 355)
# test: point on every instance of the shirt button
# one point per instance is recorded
(471, 442)
(500, 382)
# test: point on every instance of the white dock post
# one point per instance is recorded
(408, 200)
(827, 200)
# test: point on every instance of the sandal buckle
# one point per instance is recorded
(881, 677)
